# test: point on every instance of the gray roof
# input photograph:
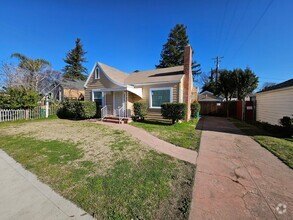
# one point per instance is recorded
(150, 76)
(72, 84)
(285, 84)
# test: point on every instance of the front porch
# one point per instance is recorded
(116, 104)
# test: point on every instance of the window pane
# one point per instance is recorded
(159, 97)
(97, 95)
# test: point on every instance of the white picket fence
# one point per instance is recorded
(26, 114)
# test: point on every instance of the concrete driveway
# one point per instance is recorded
(236, 178)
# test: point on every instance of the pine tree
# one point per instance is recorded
(74, 59)
(173, 51)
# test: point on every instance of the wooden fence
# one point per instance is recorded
(26, 114)
(242, 110)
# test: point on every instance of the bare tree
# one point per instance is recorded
(40, 80)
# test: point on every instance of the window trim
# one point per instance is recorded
(156, 89)
(97, 73)
(103, 96)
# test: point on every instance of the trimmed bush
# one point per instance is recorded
(195, 107)
(287, 124)
(173, 111)
(140, 110)
(77, 110)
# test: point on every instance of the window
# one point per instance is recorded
(158, 96)
(98, 98)
(97, 73)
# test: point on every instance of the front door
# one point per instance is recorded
(117, 102)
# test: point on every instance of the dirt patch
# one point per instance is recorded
(100, 144)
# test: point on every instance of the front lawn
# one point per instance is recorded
(281, 147)
(181, 134)
(104, 171)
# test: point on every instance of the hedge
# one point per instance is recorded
(77, 110)
(195, 107)
(173, 111)
(140, 109)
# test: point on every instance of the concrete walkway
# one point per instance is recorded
(156, 143)
(236, 178)
(23, 197)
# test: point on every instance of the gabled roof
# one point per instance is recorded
(72, 84)
(115, 74)
(162, 75)
(285, 84)
(203, 96)
(169, 74)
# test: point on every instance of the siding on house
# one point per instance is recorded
(73, 93)
(101, 83)
(274, 104)
(146, 94)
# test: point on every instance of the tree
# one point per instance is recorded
(40, 79)
(74, 59)
(267, 85)
(246, 82)
(18, 98)
(208, 82)
(173, 51)
(29, 71)
(226, 85)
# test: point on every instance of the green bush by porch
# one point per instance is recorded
(140, 110)
(77, 110)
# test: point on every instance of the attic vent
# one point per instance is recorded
(97, 73)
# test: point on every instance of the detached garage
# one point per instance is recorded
(275, 102)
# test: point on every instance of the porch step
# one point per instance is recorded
(113, 119)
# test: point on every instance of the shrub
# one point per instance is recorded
(173, 111)
(140, 110)
(18, 98)
(77, 110)
(195, 107)
(287, 122)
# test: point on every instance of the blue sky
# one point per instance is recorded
(129, 35)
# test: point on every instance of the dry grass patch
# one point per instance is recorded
(104, 171)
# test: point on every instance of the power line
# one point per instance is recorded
(230, 24)
(237, 26)
(254, 27)
(221, 26)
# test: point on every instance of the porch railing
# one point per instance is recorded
(104, 112)
(121, 113)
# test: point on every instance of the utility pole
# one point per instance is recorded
(217, 61)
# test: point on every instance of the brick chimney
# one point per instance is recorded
(188, 81)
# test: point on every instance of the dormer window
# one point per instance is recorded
(97, 73)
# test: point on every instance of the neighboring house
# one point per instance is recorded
(115, 90)
(69, 89)
(207, 96)
(275, 102)
(194, 94)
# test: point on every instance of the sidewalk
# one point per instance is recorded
(23, 196)
(156, 143)
(236, 178)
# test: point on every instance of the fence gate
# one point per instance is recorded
(213, 108)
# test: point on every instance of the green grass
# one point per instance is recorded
(181, 134)
(155, 187)
(281, 147)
